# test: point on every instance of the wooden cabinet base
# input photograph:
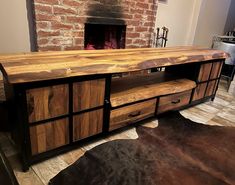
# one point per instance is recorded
(59, 100)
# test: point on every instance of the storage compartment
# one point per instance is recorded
(87, 124)
(140, 87)
(173, 101)
(132, 113)
(48, 136)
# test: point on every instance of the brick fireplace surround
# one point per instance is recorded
(59, 24)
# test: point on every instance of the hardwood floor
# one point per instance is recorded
(219, 112)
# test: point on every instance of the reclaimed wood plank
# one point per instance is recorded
(54, 65)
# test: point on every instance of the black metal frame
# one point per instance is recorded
(23, 126)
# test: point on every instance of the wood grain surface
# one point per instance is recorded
(47, 102)
(88, 94)
(216, 69)
(204, 72)
(134, 88)
(132, 113)
(173, 101)
(199, 91)
(48, 136)
(87, 124)
(210, 88)
(29, 67)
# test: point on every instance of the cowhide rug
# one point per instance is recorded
(177, 152)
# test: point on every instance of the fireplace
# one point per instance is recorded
(73, 24)
(101, 36)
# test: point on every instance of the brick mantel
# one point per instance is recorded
(60, 23)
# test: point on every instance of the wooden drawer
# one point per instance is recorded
(50, 135)
(132, 113)
(173, 101)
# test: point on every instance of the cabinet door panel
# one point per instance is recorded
(87, 124)
(47, 102)
(49, 135)
(88, 94)
(199, 91)
(216, 69)
(210, 88)
(204, 73)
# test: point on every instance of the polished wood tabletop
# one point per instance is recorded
(40, 66)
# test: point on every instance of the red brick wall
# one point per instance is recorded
(60, 23)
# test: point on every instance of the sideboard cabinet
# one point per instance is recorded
(60, 99)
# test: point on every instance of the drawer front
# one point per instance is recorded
(88, 94)
(173, 101)
(87, 124)
(132, 113)
(50, 135)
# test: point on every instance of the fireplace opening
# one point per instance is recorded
(101, 36)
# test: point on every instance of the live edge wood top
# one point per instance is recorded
(39, 66)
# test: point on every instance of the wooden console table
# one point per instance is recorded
(60, 99)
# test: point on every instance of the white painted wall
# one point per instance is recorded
(14, 31)
(180, 16)
(211, 21)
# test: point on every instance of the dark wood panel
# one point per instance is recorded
(210, 88)
(49, 136)
(216, 84)
(131, 89)
(173, 101)
(88, 94)
(199, 91)
(216, 70)
(87, 124)
(204, 72)
(47, 102)
(55, 65)
(132, 113)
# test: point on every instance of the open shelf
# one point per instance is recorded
(140, 87)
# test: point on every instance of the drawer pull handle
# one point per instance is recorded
(134, 114)
(176, 101)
